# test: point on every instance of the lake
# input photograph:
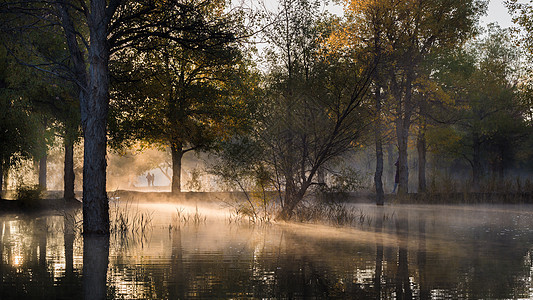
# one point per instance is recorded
(185, 252)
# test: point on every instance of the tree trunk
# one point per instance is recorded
(293, 197)
(94, 110)
(177, 155)
(1, 177)
(421, 147)
(321, 176)
(379, 151)
(68, 175)
(404, 110)
(390, 160)
(403, 185)
(291, 200)
(501, 165)
(476, 162)
(42, 172)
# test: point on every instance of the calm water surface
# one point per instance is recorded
(394, 252)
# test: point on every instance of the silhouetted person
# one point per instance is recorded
(152, 179)
(148, 178)
(396, 176)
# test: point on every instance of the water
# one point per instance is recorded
(395, 252)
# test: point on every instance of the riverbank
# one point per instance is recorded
(352, 197)
(17, 206)
(52, 199)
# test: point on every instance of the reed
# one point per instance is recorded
(128, 220)
(257, 209)
(183, 218)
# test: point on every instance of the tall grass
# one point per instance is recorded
(183, 218)
(125, 220)
(337, 214)
(257, 209)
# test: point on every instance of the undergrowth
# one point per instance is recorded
(29, 195)
(337, 214)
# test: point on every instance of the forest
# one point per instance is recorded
(285, 100)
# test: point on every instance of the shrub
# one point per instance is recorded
(29, 195)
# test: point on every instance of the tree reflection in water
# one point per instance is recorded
(95, 261)
(425, 292)
(403, 284)
(177, 282)
(484, 254)
(379, 255)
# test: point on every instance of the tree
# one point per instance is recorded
(51, 97)
(92, 32)
(408, 31)
(184, 99)
(490, 118)
(17, 134)
(314, 109)
(362, 33)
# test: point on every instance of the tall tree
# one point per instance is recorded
(50, 97)
(362, 33)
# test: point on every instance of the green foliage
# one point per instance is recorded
(522, 13)
(39, 107)
(313, 111)
(489, 116)
(179, 96)
(18, 134)
(239, 167)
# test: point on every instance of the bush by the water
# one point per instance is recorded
(29, 195)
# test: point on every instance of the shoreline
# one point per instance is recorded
(52, 199)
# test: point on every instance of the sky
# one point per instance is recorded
(497, 12)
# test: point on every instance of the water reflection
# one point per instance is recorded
(33, 262)
(95, 261)
(407, 252)
(425, 292)
(403, 284)
(379, 256)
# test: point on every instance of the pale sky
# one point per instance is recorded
(497, 12)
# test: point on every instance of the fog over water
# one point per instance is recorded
(396, 251)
